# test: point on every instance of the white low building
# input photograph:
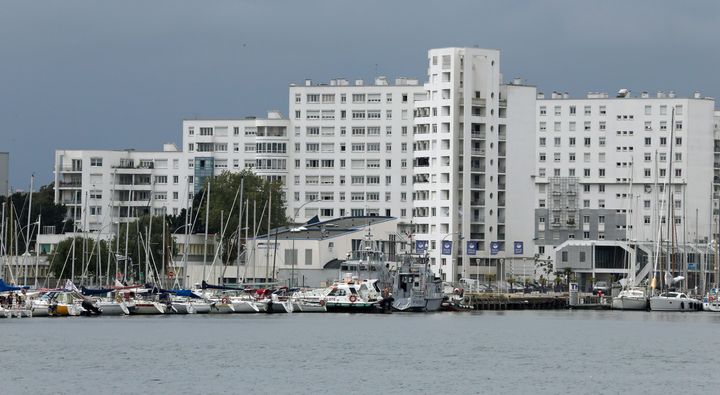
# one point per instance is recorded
(311, 255)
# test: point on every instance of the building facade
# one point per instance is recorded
(352, 148)
(471, 164)
(103, 188)
(604, 168)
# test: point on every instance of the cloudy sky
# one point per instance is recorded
(123, 74)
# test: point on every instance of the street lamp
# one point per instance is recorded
(293, 230)
(460, 237)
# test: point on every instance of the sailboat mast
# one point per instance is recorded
(27, 231)
(267, 249)
(670, 204)
(239, 230)
(37, 251)
(207, 220)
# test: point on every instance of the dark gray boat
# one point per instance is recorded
(415, 287)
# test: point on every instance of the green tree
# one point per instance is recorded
(94, 255)
(136, 246)
(224, 191)
(43, 205)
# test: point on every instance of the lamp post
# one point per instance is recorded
(293, 230)
(460, 237)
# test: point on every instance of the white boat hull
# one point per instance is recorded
(311, 307)
(113, 308)
(245, 306)
(662, 303)
(183, 308)
(39, 309)
(629, 303)
(148, 308)
(222, 308)
(201, 307)
(281, 306)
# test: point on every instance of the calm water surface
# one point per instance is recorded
(491, 352)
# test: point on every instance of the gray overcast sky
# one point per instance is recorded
(123, 74)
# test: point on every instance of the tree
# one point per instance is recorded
(136, 246)
(43, 205)
(224, 191)
(95, 254)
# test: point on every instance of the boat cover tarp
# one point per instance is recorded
(182, 292)
(5, 288)
(205, 285)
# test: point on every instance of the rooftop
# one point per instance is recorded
(325, 229)
(379, 81)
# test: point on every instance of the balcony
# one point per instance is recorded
(476, 101)
(503, 102)
(70, 169)
(478, 135)
(70, 184)
(478, 152)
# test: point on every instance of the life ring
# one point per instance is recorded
(353, 298)
(322, 302)
(225, 300)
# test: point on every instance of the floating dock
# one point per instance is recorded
(489, 301)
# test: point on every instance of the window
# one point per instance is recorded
(648, 110)
(96, 162)
(206, 131)
(572, 110)
(572, 141)
(542, 141)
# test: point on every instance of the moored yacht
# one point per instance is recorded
(631, 299)
(674, 301)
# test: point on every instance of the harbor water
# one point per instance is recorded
(558, 351)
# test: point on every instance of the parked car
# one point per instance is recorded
(601, 286)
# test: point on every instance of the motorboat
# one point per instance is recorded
(674, 301)
(353, 296)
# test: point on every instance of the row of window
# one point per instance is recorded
(602, 126)
(542, 172)
(327, 131)
(354, 163)
(602, 110)
(329, 98)
(355, 180)
(355, 114)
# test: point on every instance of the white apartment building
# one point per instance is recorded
(601, 169)
(352, 148)
(117, 186)
(214, 146)
(472, 172)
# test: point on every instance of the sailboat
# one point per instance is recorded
(670, 300)
(631, 297)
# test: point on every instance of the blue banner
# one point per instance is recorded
(472, 247)
(421, 246)
(494, 247)
(518, 247)
(447, 247)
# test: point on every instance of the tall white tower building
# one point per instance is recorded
(472, 162)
